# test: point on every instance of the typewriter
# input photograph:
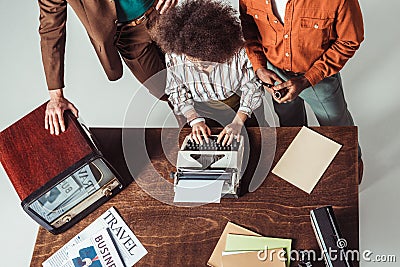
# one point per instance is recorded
(211, 161)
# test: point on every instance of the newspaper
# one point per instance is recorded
(97, 251)
(129, 247)
(66, 194)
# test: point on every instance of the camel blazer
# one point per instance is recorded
(99, 19)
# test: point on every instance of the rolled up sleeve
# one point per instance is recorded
(251, 93)
(252, 37)
(350, 34)
(178, 94)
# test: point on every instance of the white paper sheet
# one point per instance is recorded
(306, 159)
(199, 191)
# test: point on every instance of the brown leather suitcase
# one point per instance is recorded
(59, 179)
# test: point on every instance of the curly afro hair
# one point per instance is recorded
(207, 30)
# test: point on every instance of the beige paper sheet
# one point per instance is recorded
(230, 228)
(306, 159)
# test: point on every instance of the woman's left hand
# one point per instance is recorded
(233, 129)
(230, 132)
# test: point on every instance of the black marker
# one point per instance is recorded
(277, 93)
(266, 84)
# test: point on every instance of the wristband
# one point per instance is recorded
(197, 120)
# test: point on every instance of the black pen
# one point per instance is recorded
(277, 94)
(266, 84)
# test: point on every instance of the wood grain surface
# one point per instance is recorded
(186, 236)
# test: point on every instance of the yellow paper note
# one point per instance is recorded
(230, 228)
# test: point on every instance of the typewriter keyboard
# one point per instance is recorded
(212, 145)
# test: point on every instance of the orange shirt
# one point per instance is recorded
(317, 37)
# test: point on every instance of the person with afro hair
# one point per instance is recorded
(210, 80)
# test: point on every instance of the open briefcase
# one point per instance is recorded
(59, 179)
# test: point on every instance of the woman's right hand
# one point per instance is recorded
(200, 130)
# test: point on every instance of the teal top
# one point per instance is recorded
(128, 10)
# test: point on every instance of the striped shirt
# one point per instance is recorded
(186, 83)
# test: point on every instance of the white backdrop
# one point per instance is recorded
(370, 82)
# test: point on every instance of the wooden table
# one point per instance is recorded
(186, 236)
